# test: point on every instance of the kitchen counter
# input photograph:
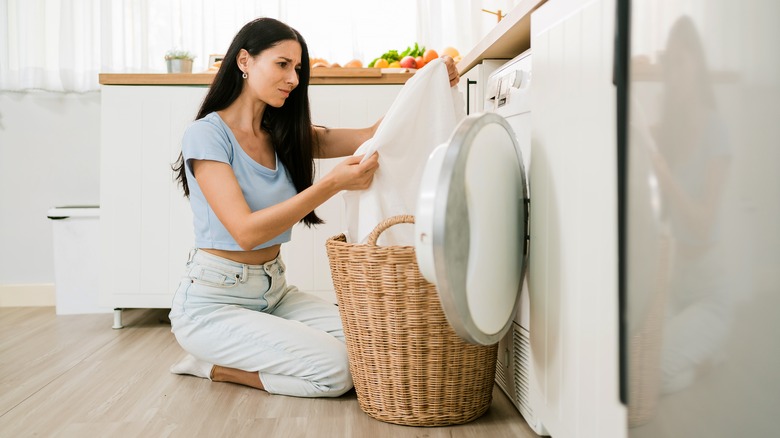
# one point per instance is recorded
(319, 76)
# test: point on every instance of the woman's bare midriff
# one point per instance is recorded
(256, 257)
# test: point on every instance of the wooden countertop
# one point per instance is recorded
(510, 37)
(319, 76)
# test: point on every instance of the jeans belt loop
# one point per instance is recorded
(244, 273)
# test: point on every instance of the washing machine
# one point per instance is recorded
(472, 232)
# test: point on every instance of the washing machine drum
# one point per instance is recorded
(471, 227)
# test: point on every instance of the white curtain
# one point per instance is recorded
(49, 44)
(62, 45)
(342, 30)
(137, 33)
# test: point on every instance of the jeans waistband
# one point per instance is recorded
(268, 268)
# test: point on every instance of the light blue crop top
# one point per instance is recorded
(210, 138)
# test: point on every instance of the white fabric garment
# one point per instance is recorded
(424, 115)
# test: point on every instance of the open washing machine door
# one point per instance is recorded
(471, 227)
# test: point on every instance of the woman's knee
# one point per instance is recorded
(335, 378)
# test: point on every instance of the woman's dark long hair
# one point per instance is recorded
(686, 91)
(289, 125)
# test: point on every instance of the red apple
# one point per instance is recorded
(408, 62)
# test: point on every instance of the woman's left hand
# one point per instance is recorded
(452, 70)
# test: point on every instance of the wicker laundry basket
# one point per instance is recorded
(408, 365)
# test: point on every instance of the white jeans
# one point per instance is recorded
(247, 317)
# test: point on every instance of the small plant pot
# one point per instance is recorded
(179, 65)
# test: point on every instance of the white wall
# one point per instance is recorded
(49, 146)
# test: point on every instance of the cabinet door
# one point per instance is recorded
(146, 225)
(468, 85)
(473, 83)
(573, 179)
(333, 106)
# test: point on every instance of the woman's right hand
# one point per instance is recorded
(351, 174)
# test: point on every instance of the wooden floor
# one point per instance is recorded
(73, 376)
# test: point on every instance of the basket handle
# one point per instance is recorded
(387, 223)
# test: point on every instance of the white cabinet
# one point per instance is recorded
(573, 256)
(472, 84)
(146, 223)
(342, 106)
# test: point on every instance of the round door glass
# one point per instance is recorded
(494, 196)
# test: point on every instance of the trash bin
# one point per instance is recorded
(76, 234)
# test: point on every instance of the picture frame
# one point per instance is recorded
(215, 60)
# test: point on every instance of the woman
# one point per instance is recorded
(247, 167)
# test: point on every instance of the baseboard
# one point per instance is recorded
(27, 295)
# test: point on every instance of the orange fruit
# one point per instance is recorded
(381, 63)
(451, 52)
(430, 55)
(420, 61)
(355, 63)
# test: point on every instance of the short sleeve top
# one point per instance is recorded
(209, 138)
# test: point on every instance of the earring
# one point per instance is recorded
(244, 75)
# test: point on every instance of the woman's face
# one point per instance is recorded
(273, 73)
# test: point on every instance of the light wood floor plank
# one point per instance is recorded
(39, 347)
(75, 376)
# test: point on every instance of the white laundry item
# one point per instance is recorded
(424, 115)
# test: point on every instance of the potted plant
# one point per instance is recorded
(179, 61)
